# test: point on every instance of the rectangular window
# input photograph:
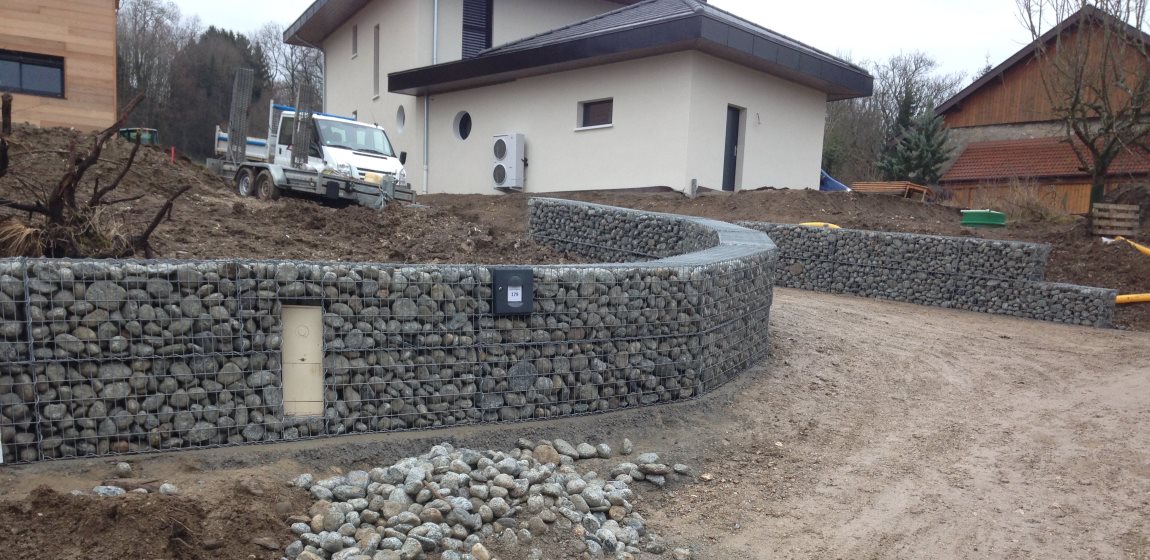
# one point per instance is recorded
(375, 64)
(354, 40)
(596, 113)
(476, 26)
(35, 74)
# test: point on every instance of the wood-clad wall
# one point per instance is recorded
(1016, 96)
(84, 33)
(1060, 198)
(1019, 94)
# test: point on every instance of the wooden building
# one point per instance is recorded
(1007, 134)
(1044, 170)
(58, 59)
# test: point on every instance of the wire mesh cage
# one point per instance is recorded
(109, 357)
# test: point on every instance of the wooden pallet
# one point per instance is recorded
(1114, 219)
(905, 189)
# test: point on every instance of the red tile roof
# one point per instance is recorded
(1033, 158)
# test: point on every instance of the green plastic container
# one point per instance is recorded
(983, 219)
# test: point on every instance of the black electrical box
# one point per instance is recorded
(513, 291)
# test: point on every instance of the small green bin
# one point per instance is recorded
(983, 219)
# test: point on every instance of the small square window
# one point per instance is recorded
(596, 113)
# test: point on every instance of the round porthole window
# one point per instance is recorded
(400, 118)
(462, 125)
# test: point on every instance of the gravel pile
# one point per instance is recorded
(452, 501)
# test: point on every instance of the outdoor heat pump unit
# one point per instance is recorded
(510, 162)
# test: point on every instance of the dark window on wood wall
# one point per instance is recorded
(476, 26)
(35, 74)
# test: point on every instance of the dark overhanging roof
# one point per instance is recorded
(1087, 12)
(323, 17)
(647, 28)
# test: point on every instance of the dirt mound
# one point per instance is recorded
(149, 525)
(212, 222)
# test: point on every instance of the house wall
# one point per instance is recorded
(782, 132)
(1019, 95)
(406, 42)
(83, 32)
(516, 19)
(668, 128)
(645, 146)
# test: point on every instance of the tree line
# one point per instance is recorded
(185, 72)
(893, 135)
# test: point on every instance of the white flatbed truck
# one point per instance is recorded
(346, 160)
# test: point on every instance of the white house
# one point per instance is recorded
(579, 94)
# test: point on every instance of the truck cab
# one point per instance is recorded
(340, 145)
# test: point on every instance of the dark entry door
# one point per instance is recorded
(731, 153)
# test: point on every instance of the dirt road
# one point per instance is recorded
(877, 430)
(914, 433)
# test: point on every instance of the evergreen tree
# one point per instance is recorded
(919, 153)
(906, 108)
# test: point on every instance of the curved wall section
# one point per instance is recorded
(983, 275)
(107, 357)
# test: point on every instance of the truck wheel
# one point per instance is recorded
(244, 179)
(266, 186)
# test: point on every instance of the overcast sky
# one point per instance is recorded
(958, 33)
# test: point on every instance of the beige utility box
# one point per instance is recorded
(303, 361)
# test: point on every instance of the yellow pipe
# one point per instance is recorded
(1132, 298)
(820, 224)
(1141, 248)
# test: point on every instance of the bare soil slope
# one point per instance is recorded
(875, 430)
(212, 222)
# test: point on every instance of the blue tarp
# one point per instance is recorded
(829, 184)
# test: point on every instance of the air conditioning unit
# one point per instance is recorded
(510, 167)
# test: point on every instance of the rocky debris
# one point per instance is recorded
(169, 489)
(123, 470)
(109, 491)
(452, 501)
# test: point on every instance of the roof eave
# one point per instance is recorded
(836, 79)
(320, 20)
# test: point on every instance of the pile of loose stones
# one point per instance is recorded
(449, 502)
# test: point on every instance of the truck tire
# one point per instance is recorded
(245, 179)
(266, 186)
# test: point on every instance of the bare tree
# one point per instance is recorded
(854, 134)
(1095, 68)
(297, 72)
(149, 33)
(908, 84)
(64, 222)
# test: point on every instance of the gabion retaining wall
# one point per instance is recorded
(988, 276)
(107, 357)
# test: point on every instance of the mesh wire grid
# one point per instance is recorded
(979, 275)
(126, 357)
